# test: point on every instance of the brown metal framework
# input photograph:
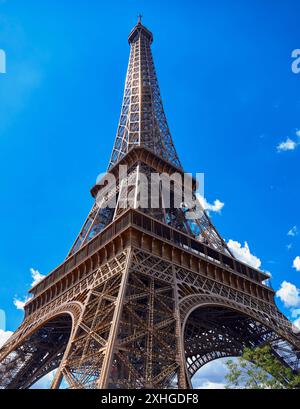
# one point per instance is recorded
(142, 121)
(145, 297)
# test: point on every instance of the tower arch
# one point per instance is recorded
(33, 352)
(213, 328)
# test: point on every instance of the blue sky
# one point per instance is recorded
(230, 96)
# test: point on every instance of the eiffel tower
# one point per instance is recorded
(146, 295)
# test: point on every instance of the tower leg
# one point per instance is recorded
(87, 360)
(109, 351)
(182, 377)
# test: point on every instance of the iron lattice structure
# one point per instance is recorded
(145, 296)
(142, 121)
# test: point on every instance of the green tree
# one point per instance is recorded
(258, 368)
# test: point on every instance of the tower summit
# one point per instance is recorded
(138, 30)
(146, 295)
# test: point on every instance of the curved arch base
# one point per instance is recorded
(213, 331)
(38, 354)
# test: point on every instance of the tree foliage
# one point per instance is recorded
(258, 368)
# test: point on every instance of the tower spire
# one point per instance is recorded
(142, 120)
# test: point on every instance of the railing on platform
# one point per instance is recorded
(188, 243)
(143, 221)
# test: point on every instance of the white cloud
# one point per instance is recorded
(296, 263)
(243, 253)
(36, 275)
(211, 385)
(19, 304)
(296, 326)
(293, 231)
(288, 145)
(216, 207)
(297, 322)
(212, 375)
(298, 133)
(289, 246)
(4, 335)
(289, 294)
(295, 312)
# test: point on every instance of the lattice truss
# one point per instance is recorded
(146, 354)
(145, 334)
(142, 121)
(132, 332)
(130, 192)
(214, 332)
